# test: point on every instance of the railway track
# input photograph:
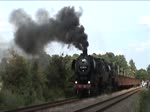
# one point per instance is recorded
(104, 105)
(63, 105)
(44, 106)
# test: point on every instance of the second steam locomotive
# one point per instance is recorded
(92, 75)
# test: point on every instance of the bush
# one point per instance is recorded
(54, 94)
(26, 82)
(9, 100)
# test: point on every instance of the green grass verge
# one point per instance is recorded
(145, 101)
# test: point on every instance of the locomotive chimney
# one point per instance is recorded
(84, 50)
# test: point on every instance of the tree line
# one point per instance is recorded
(27, 81)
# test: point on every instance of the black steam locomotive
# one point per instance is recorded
(92, 74)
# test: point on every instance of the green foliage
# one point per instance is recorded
(109, 56)
(132, 65)
(56, 72)
(132, 68)
(142, 74)
(23, 79)
(38, 82)
(59, 73)
(75, 56)
(10, 100)
(121, 61)
(16, 74)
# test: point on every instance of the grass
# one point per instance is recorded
(144, 101)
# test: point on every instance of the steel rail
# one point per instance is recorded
(38, 107)
(103, 105)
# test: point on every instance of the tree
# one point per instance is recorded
(16, 73)
(75, 56)
(109, 57)
(132, 65)
(24, 78)
(120, 60)
(94, 54)
(142, 74)
(16, 78)
(38, 82)
(56, 76)
(132, 68)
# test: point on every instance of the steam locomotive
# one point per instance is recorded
(93, 75)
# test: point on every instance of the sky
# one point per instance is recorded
(121, 27)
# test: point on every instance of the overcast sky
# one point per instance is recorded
(121, 27)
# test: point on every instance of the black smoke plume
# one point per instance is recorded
(32, 35)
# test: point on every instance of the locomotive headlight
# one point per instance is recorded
(76, 82)
(89, 82)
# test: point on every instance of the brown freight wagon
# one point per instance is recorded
(125, 81)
